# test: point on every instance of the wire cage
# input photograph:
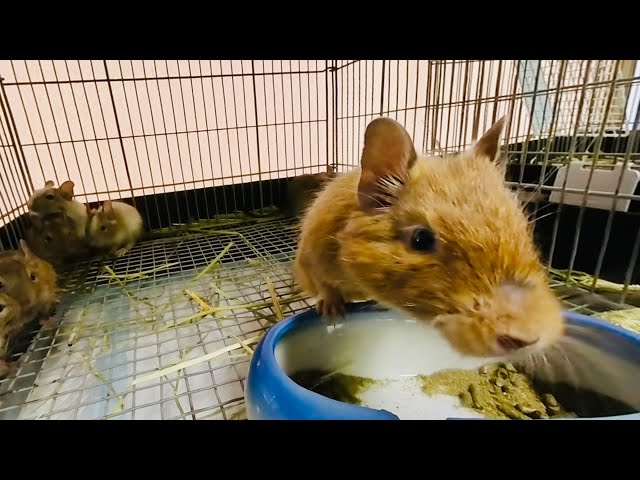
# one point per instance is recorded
(204, 149)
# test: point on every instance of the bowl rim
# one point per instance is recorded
(264, 357)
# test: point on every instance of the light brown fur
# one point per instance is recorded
(483, 280)
(35, 283)
(114, 228)
(11, 320)
(44, 277)
(28, 292)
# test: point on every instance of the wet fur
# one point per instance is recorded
(349, 251)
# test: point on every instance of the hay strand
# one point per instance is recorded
(585, 280)
(196, 298)
(628, 318)
(132, 276)
(214, 262)
(244, 345)
(194, 361)
(274, 298)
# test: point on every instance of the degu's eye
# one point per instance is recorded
(49, 197)
(1, 308)
(33, 277)
(103, 228)
(423, 240)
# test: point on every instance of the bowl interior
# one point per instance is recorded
(389, 346)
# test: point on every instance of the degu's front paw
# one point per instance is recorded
(122, 251)
(330, 304)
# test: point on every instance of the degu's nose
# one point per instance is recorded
(515, 295)
(511, 344)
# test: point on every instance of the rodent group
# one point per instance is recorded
(58, 229)
(441, 238)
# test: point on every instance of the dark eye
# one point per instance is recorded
(49, 197)
(1, 285)
(423, 240)
(1, 308)
(48, 238)
(103, 228)
(33, 277)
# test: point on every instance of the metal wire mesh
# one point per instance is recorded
(115, 331)
(187, 141)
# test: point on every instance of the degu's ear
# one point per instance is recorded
(387, 156)
(107, 208)
(26, 251)
(66, 190)
(488, 145)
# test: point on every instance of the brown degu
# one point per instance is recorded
(114, 227)
(11, 321)
(28, 292)
(16, 282)
(442, 239)
(301, 191)
(32, 281)
(50, 200)
(54, 238)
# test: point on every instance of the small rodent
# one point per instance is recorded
(300, 192)
(54, 238)
(442, 239)
(44, 278)
(49, 200)
(114, 227)
(11, 321)
(15, 280)
(30, 281)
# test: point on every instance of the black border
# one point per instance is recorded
(302, 31)
(421, 444)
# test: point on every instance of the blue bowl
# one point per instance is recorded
(271, 395)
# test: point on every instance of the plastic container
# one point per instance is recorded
(271, 395)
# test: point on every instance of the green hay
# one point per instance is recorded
(205, 225)
(627, 318)
(584, 280)
(132, 276)
(195, 361)
(214, 263)
(150, 313)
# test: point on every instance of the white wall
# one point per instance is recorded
(194, 124)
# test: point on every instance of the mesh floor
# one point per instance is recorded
(103, 359)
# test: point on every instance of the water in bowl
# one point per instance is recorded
(388, 347)
(396, 350)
